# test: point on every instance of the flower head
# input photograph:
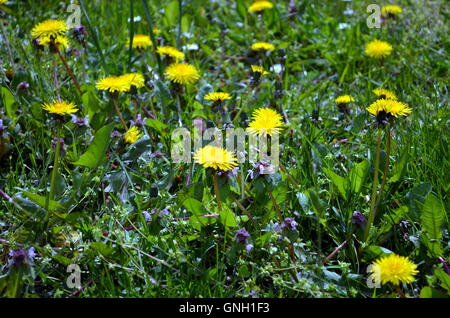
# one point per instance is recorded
(50, 29)
(389, 107)
(136, 79)
(182, 73)
(112, 84)
(262, 46)
(395, 269)
(260, 5)
(378, 49)
(242, 236)
(217, 96)
(259, 69)
(141, 41)
(344, 99)
(391, 9)
(384, 93)
(265, 121)
(171, 52)
(60, 107)
(61, 41)
(132, 135)
(216, 158)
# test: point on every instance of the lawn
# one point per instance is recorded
(118, 171)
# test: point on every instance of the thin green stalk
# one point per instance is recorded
(374, 188)
(216, 189)
(51, 194)
(386, 168)
(152, 37)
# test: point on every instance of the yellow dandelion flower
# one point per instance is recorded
(113, 84)
(216, 158)
(182, 73)
(395, 269)
(259, 69)
(389, 107)
(3, 1)
(344, 99)
(384, 93)
(60, 107)
(391, 9)
(132, 135)
(61, 42)
(259, 6)
(378, 49)
(136, 79)
(262, 46)
(171, 52)
(265, 121)
(141, 41)
(50, 28)
(217, 96)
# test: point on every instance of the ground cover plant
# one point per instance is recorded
(95, 200)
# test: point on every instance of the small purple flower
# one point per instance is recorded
(139, 122)
(261, 168)
(290, 224)
(116, 134)
(242, 236)
(21, 257)
(147, 215)
(358, 218)
(80, 121)
(2, 128)
(229, 173)
(23, 86)
(248, 248)
(37, 44)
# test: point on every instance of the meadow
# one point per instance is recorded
(94, 203)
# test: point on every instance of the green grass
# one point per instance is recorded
(100, 225)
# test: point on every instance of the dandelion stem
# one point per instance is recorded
(374, 188)
(72, 76)
(116, 107)
(386, 168)
(216, 189)
(51, 194)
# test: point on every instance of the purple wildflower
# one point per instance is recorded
(242, 236)
(358, 218)
(80, 121)
(139, 122)
(248, 248)
(116, 134)
(21, 257)
(22, 86)
(290, 224)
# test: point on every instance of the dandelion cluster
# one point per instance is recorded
(51, 32)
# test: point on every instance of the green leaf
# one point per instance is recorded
(428, 292)
(8, 102)
(40, 200)
(340, 182)
(417, 195)
(358, 175)
(171, 13)
(444, 278)
(96, 150)
(316, 203)
(374, 252)
(399, 168)
(432, 217)
(156, 124)
(227, 217)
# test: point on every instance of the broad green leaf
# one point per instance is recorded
(417, 195)
(40, 200)
(374, 252)
(156, 124)
(171, 13)
(428, 292)
(444, 278)
(316, 203)
(432, 217)
(399, 168)
(96, 150)
(340, 182)
(358, 175)
(8, 102)
(227, 217)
